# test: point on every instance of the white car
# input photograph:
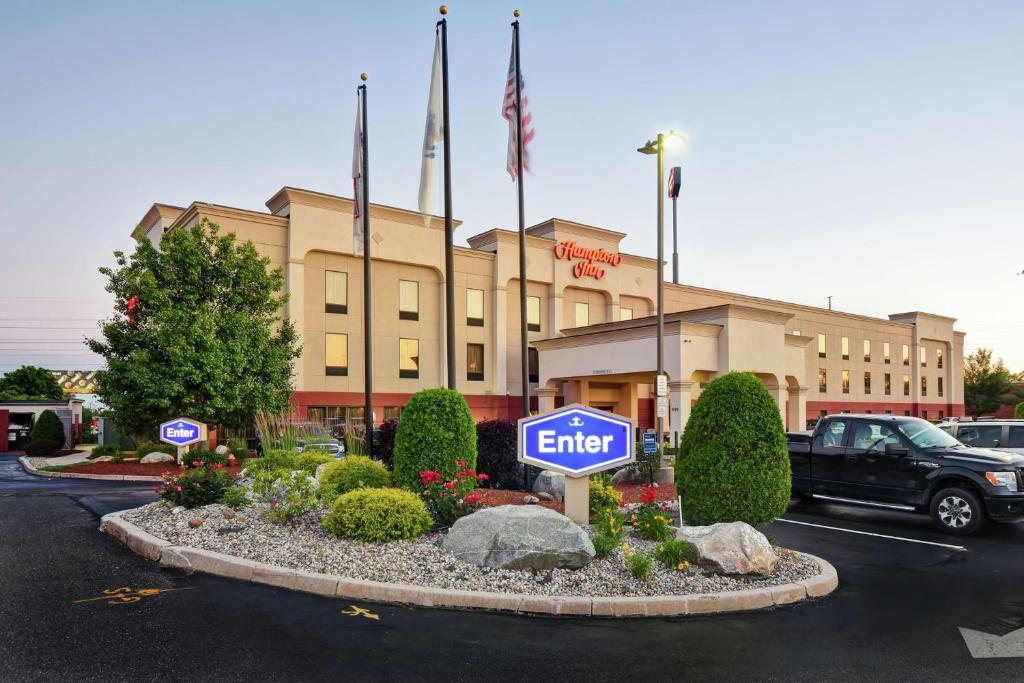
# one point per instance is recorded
(998, 434)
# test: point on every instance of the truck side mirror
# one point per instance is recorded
(896, 449)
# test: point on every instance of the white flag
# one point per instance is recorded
(432, 134)
(357, 182)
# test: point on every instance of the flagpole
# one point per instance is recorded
(449, 236)
(367, 281)
(523, 323)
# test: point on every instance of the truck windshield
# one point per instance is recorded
(925, 435)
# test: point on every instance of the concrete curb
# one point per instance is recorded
(195, 559)
(28, 467)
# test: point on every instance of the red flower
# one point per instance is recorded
(473, 498)
(217, 465)
(649, 495)
(428, 477)
(482, 477)
(461, 463)
(178, 488)
(449, 485)
(197, 463)
(158, 489)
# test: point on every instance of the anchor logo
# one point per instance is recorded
(576, 421)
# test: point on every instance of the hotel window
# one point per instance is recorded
(906, 355)
(906, 413)
(625, 313)
(867, 382)
(408, 300)
(821, 346)
(938, 359)
(906, 385)
(533, 313)
(475, 307)
(885, 353)
(336, 356)
(888, 384)
(532, 365)
(846, 381)
(924, 386)
(822, 380)
(582, 314)
(923, 352)
(475, 362)
(392, 413)
(938, 387)
(867, 350)
(336, 292)
(409, 358)
(846, 348)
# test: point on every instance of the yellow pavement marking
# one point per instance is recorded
(360, 612)
(126, 595)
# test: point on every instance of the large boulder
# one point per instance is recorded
(519, 537)
(156, 456)
(550, 482)
(731, 548)
(627, 475)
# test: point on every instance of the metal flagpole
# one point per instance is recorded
(367, 284)
(523, 331)
(661, 294)
(449, 236)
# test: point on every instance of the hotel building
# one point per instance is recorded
(590, 315)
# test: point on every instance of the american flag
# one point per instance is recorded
(508, 109)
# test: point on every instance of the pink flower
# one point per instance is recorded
(482, 477)
(217, 465)
(461, 463)
(196, 463)
(178, 488)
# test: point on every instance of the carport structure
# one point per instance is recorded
(611, 365)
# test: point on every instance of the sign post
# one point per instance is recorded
(182, 433)
(576, 441)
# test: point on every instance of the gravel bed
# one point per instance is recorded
(306, 545)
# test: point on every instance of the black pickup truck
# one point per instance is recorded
(906, 463)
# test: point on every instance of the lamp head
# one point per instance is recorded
(650, 148)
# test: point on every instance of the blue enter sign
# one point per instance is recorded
(180, 432)
(576, 440)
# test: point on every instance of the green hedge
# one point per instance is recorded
(49, 426)
(1018, 411)
(733, 463)
(351, 473)
(378, 515)
(435, 433)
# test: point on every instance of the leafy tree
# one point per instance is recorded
(30, 382)
(985, 383)
(197, 331)
(733, 464)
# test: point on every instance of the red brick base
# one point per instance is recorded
(814, 408)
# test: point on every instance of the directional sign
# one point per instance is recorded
(576, 440)
(650, 443)
(181, 432)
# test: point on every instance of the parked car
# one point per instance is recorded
(312, 437)
(905, 463)
(1004, 435)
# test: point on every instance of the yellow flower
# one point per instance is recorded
(682, 566)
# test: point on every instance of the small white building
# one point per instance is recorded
(18, 417)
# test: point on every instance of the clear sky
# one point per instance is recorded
(870, 151)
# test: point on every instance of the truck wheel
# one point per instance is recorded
(957, 511)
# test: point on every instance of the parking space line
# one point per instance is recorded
(868, 533)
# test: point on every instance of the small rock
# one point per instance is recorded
(104, 458)
(544, 495)
(155, 456)
(550, 482)
(228, 513)
(195, 523)
(177, 510)
(530, 500)
(221, 450)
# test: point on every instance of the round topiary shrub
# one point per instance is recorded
(351, 473)
(733, 464)
(435, 433)
(41, 448)
(496, 446)
(378, 515)
(49, 426)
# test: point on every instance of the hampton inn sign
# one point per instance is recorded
(587, 258)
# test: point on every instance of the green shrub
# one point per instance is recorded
(49, 426)
(435, 433)
(639, 565)
(273, 460)
(652, 523)
(293, 496)
(609, 522)
(235, 497)
(603, 495)
(350, 473)
(194, 488)
(147, 447)
(378, 515)
(106, 449)
(202, 457)
(41, 447)
(677, 554)
(310, 460)
(733, 463)
(496, 449)
(605, 545)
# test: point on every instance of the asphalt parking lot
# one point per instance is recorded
(905, 592)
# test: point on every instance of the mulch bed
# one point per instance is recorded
(631, 493)
(155, 469)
